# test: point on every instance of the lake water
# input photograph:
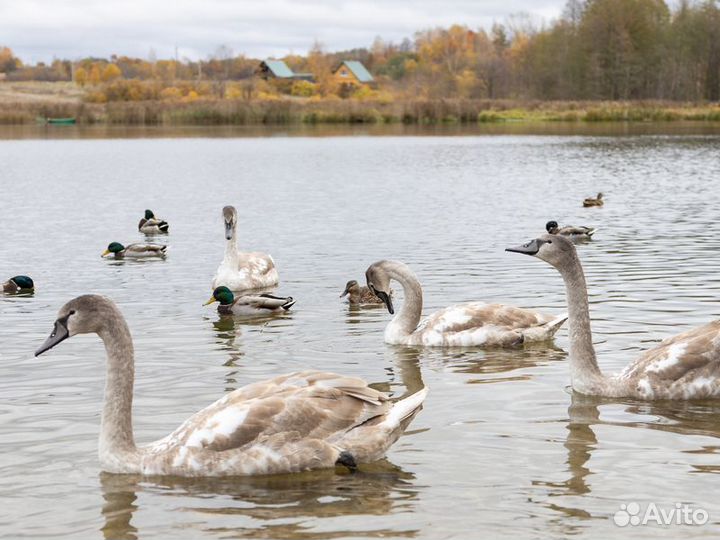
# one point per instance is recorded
(502, 446)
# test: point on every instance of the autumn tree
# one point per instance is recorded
(321, 67)
(94, 76)
(8, 62)
(110, 73)
(81, 76)
(624, 44)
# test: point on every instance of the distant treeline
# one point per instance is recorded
(598, 50)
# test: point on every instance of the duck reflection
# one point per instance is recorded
(266, 507)
(227, 334)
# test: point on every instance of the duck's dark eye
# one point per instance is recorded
(549, 241)
(72, 312)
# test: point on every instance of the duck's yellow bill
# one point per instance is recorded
(106, 252)
(212, 299)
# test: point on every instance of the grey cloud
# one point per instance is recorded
(42, 29)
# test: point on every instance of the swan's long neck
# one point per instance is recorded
(405, 322)
(231, 251)
(585, 375)
(116, 432)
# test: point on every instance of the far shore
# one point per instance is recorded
(32, 103)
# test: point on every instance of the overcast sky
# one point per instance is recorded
(43, 29)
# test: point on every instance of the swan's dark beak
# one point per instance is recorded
(228, 230)
(531, 248)
(59, 333)
(386, 300)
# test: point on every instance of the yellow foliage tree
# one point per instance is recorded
(171, 92)
(81, 76)
(319, 64)
(8, 62)
(94, 76)
(302, 89)
(111, 73)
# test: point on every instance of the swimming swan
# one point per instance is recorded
(294, 422)
(686, 366)
(241, 271)
(474, 323)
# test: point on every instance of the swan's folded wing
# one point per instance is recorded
(255, 264)
(312, 404)
(685, 355)
(477, 314)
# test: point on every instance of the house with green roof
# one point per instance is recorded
(352, 73)
(278, 69)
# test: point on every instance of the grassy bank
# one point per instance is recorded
(20, 106)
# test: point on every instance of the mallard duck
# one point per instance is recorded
(18, 284)
(575, 233)
(135, 251)
(251, 304)
(290, 423)
(686, 366)
(152, 225)
(597, 201)
(360, 295)
(474, 323)
(241, 271)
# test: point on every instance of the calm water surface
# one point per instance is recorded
(502, 446)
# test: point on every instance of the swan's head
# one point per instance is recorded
(82, 315)
(551, 227)
(149, 214)
(553, 249)
(378, 281)
(223, 295)
(352, 284)
(230, 219)
(113, 247)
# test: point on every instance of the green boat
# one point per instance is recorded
(56, 121)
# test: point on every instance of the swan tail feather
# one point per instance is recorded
(405, 408)
(555, 324)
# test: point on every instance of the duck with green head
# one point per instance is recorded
(570, 231)
(18, 284)
(152, 225)
(135, 251)
(249, 305)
